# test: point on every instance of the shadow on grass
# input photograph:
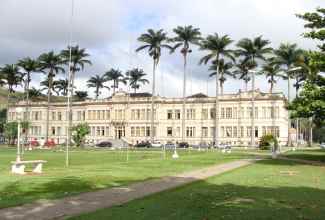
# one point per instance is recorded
(19, 192)
(313, 155)
(207, 201)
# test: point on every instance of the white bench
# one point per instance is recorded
(18, 167)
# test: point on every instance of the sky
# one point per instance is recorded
(109, 29)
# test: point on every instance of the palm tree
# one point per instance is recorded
(116, 76)
(135, 77)
(61, 86)
(287, 56)
(97, 82)
(251, 50)
(45, 85)
(184, 37)
(153, 41)
(75, 58)
(12, 77)
(81, 95)
(271, 70)
(34, 93)
(242, 69)
(217, 47)
(53, 64)
(224, 70)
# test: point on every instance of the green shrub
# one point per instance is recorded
(266, 141)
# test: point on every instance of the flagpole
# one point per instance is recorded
(69, 95)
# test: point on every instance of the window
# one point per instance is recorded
(53, 116)
(169, 114)
(222, 112)
(107, 131)
(98, 115)
(137, 131)
(256, 131)
(235, 112)
(222, 131)
(204, 113)
(190, 113)
(204, 131)
(148, 131)
(137, 117)
(213, 131)
(249, 112)
(58, 131)
(169, 131)
(53, 130)
(108, 114)
(143, 115)
(132, 114)
(212, 113)
(228, 113)
(241, 131)
(235, 132)
(190, 131)
(228, 132)
(178, 131)
(249, 131)
(60, 116)
(177, 114)
(142, 131)
(132, 132)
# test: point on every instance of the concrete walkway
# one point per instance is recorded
(91, 201)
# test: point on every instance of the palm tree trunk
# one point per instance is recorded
(184, 99)
(221, 88)
(97, 92)
(297, 119)
(50, 77)
(155, 63)
(289, 120)
(216, 119)
(253, 111)
(27, 104)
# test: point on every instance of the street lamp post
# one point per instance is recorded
(19, 110)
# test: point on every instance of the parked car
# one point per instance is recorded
(49, 143)
(104, 144)
(34, 142)
(156, 144)
(322, 145)
(170, 146)
(183, 145)
(143, 144)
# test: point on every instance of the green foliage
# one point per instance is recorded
(11, 131)
(311, 101)
(79, 133)
(316, 24)
(266, 141)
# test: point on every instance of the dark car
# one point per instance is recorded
(143, 144)
(104, 144)
(183, 145)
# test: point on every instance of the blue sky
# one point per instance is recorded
(109, 28)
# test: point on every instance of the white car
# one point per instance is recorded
(156, 144)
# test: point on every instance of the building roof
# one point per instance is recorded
(198, 95)
(140, 94)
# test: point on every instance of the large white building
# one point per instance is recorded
(127, 116)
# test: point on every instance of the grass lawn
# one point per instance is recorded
(93, 169)
(266, 190)
(308, 154)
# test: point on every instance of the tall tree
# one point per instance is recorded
(81, 95)
(116, 76)
(185, 36)
(252, 50)
(12, 77)
(225, 71)
(52, 63)
(154, 42)
(61, 86)
(242, 69)
(217, 47)
(76, 58)
(45, 86)
(34, 93)
(271, 70)
(97, 82)
(135, 77)
(287, 56)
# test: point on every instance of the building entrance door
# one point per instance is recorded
(119, 132)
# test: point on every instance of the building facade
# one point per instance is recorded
(127, 116)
